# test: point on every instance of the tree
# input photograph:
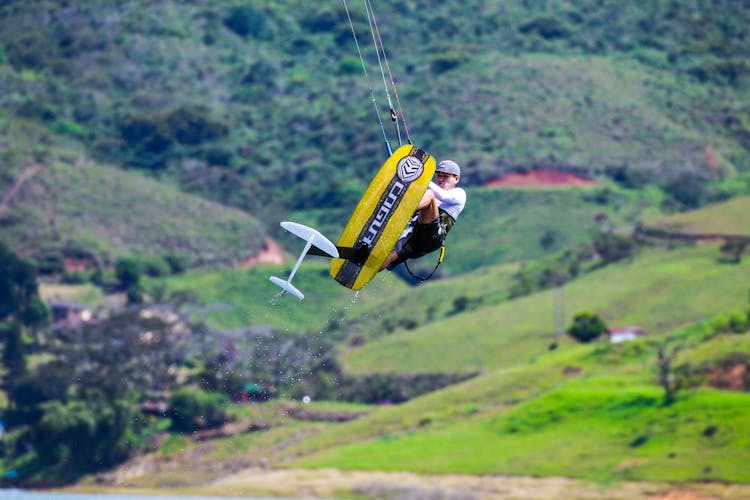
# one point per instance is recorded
(688, 189)
(48, 382)
(128, 273)
(84, 434)
(20, 306)
(195, 409)
(13, 354)
(733, 248)
(586, 327)
(666, 380)
(612, 247)
(79, 411)
(19, 298)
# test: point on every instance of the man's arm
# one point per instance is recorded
(455, 194)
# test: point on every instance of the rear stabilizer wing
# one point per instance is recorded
(313, 238)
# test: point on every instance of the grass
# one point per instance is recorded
(659, 290)
(591, 432)
(508, 225)
(729, 217)
(236, 298)
(605, 422)
(118, 214)
(517, 99)
(593, 412)
(725, 347)
(84, 293)
(510, 233)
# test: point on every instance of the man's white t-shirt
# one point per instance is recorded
(451, 201)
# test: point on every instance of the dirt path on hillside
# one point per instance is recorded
(541, 179)
(333, 483)
(25, 174)
(270, 253)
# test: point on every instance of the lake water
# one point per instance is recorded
(34, 495)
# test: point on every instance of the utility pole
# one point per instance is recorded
(558, 314)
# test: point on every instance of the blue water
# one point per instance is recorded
(34, 495)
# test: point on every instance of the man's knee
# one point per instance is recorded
(428, 208)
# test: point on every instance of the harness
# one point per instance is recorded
(446, 223)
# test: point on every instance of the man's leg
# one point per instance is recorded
(428, 212)
(391, 257)
(428, 208)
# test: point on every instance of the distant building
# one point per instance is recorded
(619, 335)
(69, 314)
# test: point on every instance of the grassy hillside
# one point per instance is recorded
(661, 290)
(588, 431)
(586, 411)
(263, 106)
(72, 201)
(190, 129)
(516, 225)
(728, 218)
(238, 298)
(594, 412)
(591, 412)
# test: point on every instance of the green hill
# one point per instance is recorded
(190, 129)
(236, 299)
(497, 226)
(509, 225)
(727, 218)
(588, 431)
(263, 106)
(660, 291)
(587, 411)
(72, 205)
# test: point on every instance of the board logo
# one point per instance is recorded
(409, 168)
(383, 214)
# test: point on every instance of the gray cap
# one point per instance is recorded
(449, 166)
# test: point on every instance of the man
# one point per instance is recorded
(436, 213)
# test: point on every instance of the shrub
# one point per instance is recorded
(548, 239)
(134, 294)
(631, 177)
(177, 262)
(194, 125)
(155, 266)
(246, 20)
(128, 273)
(186, 125)
(350, 65)
(586, 327)
(195, 409)
(687, 188)
(733, 248)
(70, 128)
(261, 72)
(546, 27)
(612, 247)
(440, 63)
(729, 71)
(324, 20)
(463, 303)
(738, 322)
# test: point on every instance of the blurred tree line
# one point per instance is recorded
(227, 98)
(81, 394)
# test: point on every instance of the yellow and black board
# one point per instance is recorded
(382, 214)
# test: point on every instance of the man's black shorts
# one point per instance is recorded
(425, 238)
